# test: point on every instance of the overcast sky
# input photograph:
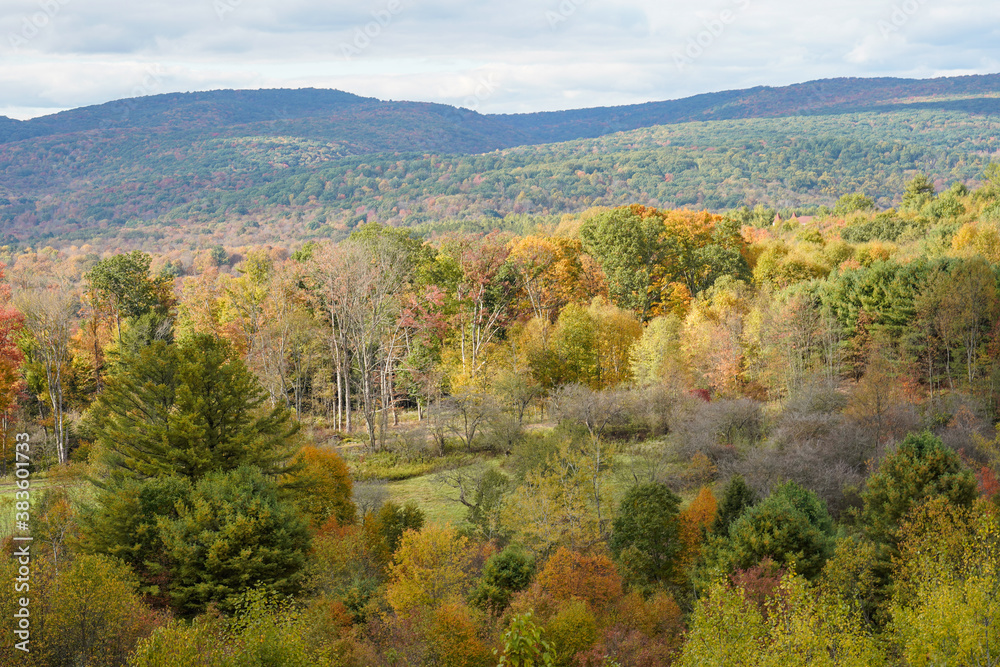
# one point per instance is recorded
(501, 56)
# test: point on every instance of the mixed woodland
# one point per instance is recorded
(633, 435)
(278, 166)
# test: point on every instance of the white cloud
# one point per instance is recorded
(531, 54)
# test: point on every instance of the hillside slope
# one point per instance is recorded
(326, 160)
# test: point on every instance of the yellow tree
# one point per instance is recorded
(657, 355)
(200, 308)
(429, 568)
(552, 272)
(617, 332)
(796, 627)
(590, 346)
(554, 505)
(713, 336)
(694, 522)
(946, 606)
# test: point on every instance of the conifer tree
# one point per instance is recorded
(737, 498)
(188, 409)
(234, 533)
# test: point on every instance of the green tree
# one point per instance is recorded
(919, 191)
(123, 282)
(188, 409)
(124, 522)
(920, 469)
(384, 530)
(647, 530)
(523, 645)
(851, 203)
(624, 242)
(234, 533)
(736, 499)
(504, 574)
(791, 526)
(485, 509)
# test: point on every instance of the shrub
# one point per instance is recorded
(504, 574)
(94, 614)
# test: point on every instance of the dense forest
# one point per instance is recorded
(259, 167)
(633, 435)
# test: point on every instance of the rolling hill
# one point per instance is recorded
(233, 161)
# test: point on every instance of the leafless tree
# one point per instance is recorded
(467, 413)
(50, 316)
(359, 285)
(597, 411)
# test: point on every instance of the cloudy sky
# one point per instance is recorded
(501, 56)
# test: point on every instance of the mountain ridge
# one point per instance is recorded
(230, 107)
(319, 162)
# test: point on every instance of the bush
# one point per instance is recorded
(504, 574)
(571, 630)
(719, 429)
(453, 637)
(814, 445)
(342, 568)
(94, 614)
(569, 575)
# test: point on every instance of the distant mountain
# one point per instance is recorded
(334, 115)
(211, 109)
(828, 96)
(330, 159)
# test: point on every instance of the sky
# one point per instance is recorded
(494, 57)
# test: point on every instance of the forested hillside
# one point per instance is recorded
(635, 435)
(262, 166)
